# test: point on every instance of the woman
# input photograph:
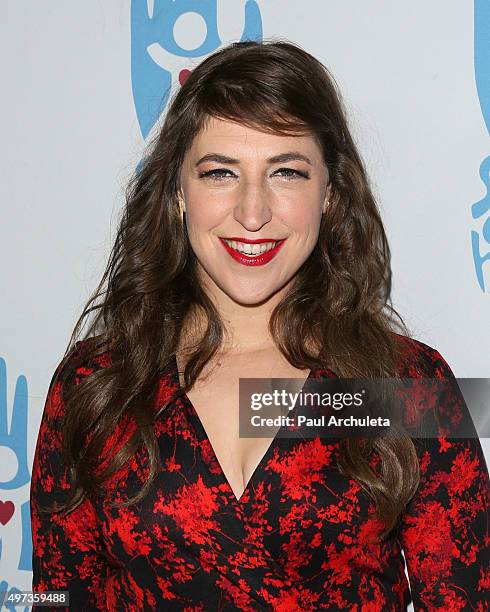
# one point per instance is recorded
(250, 246)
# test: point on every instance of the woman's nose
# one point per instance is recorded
(253, 208)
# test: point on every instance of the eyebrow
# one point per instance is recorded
(276, 159)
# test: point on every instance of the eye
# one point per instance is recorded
(217, 174)
(292, 173)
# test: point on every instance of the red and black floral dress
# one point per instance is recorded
(301, 537)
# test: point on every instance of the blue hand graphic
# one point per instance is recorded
(151, 82)
(16, 439)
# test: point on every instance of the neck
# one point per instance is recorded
(246, 326)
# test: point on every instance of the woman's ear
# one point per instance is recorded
(326, 200)
(181, 200)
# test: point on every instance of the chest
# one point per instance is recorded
(215, 400)
(297, 497)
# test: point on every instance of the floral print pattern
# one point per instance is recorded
(301, 537)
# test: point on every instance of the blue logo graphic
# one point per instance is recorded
(482, 76)
(153, 44)
(11, 592)
(16, 441)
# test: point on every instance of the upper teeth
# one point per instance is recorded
(250, 249)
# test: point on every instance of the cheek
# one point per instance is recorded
(304, 219)
(203, 217)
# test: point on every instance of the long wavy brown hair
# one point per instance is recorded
(339, 302)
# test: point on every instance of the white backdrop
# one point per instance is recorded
(75, 112)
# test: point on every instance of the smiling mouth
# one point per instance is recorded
(252, 250)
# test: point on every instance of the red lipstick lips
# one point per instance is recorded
(253, 260)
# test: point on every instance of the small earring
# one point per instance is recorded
(326, 204)
(181, 205)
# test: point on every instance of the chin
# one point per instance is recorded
(250, 296)
(244, 291)
(249, 300)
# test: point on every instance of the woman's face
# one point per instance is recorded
(245, 187)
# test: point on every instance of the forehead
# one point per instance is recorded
(223, 136)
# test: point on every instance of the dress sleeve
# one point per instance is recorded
(444, 531)
(67, 551)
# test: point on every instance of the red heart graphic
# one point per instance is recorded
(6, 511)
(183, 74)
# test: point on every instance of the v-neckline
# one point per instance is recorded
(203, 436)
